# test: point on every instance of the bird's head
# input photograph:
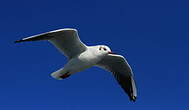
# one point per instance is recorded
(104, 50)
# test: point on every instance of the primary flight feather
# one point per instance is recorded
(82, 57)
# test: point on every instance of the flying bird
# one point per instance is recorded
(81, 56)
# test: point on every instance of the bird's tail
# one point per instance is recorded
(60, 74)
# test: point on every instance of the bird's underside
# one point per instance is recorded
(67, 42)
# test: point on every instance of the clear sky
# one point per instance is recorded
(152, 34)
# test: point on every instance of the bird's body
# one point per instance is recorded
(82, 57)
(78, 63)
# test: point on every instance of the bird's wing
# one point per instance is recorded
(65, 40)
(121, 70)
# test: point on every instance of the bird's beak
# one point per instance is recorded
(111, 52)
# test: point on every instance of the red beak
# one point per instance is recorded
(111, 52)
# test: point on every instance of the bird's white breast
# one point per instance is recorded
(83, 61)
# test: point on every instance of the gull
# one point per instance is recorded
(81, 57)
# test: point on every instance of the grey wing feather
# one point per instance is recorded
(65, 40)
(122, 72)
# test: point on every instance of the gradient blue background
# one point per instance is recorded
(152, 34)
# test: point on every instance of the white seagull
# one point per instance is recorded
(82, 57)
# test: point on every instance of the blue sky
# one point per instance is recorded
(152, 35)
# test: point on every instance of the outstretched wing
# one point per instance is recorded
(121, 70)
(65, 40)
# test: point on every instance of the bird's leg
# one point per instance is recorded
(65, 75)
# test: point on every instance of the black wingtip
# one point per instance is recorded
(18, 41)
(133, 99)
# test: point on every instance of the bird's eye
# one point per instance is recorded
(104, 49)
(100, 48)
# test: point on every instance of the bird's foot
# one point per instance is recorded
(65, 75)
